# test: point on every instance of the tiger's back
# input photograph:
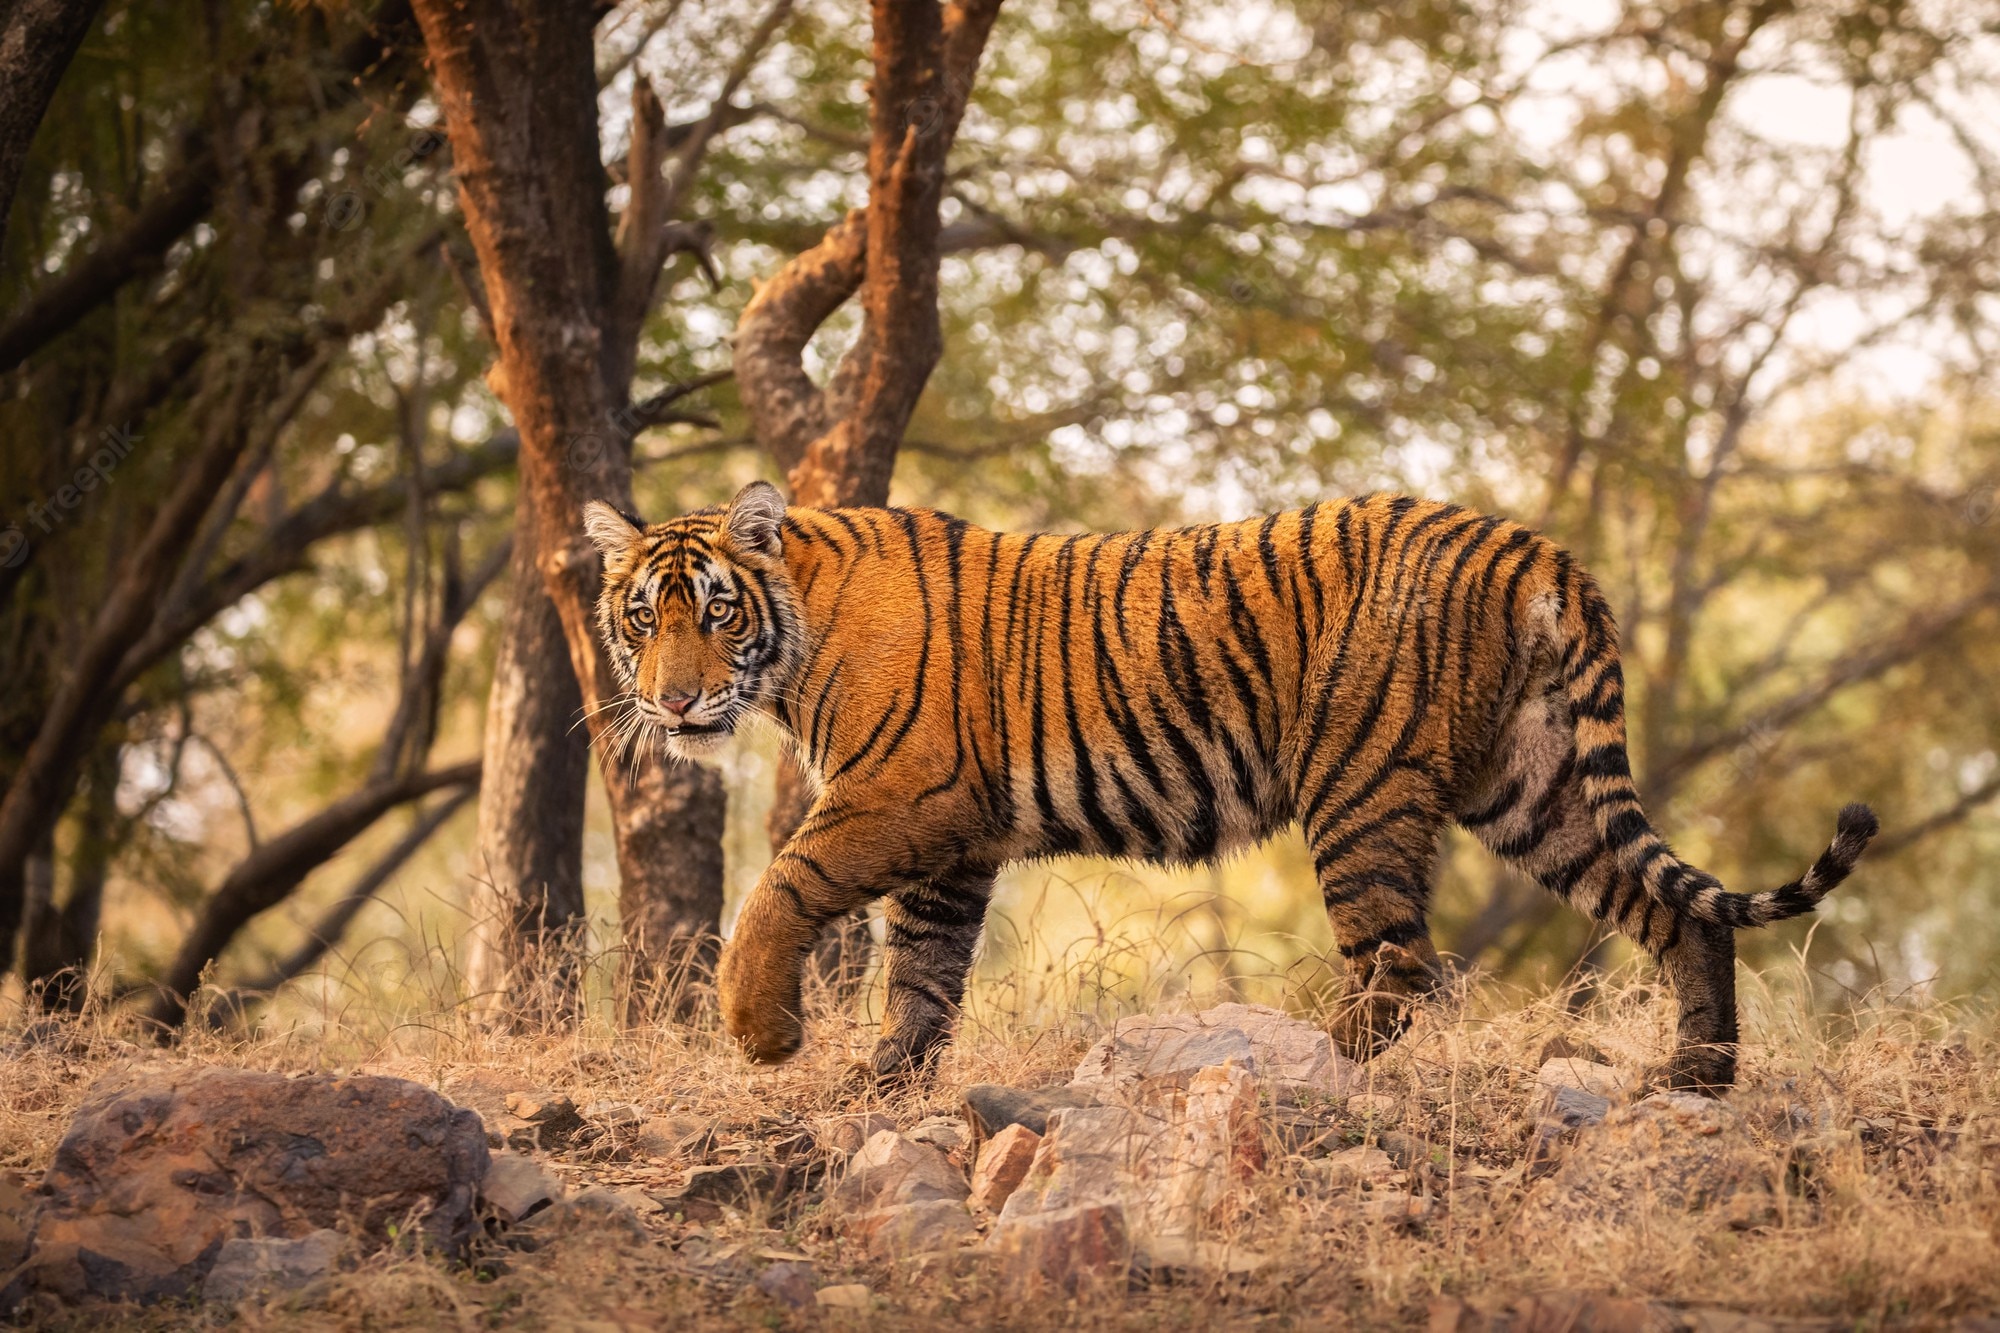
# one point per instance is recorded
(1371, 669)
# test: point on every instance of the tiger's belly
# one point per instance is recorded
(1173, 799)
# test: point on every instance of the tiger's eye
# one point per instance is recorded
(719, 611)
(641, 618)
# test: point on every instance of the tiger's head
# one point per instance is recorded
(698, 616)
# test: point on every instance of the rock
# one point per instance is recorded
(1399, 1206)
(1003, 1164)
(540, 1122)
(789, 1283)
(1572, 1048)
(991, 1107)
(617, 1120)
(1302, 1132)
(160, 1168)
(735, 1184)
(1087, 1157)
(945, 1133)
(264, 1265)
(1378, 1107)
(596, 1207)
(1294, 1056)
(1674, 1152)
(1173, 1259)
(517, 1187)
(846, 1296)
(1210, 1143)
(1564, 1111)
(1600, 1080)
(1355, 1167)
(911, 1228)
(1066, 1248)
(891, 1169)
(1171, 1162)
(847, 1134)
(1407, 1150)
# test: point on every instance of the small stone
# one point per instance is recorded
(516, 1187)
(616, 1117)
(1294, 1056)
(1673, 1152)
(945, 1133)
(1211, 1141)
(1067, 1249)
(542, 1122)
(847, 1134)
(1003, 1164)
(1398, 1206)
(991, 1107)
(911, 1228)
(1353, 1167)
(846, 1296)
(1565, 1110)
(262, 1265)
(594, 1207)
(1376, 1107)
(789, 1283)
(891, 1169)
(1597, 1079)
(1407, 1150)
(1177, 1259)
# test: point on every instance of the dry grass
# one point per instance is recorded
(1888, 1212)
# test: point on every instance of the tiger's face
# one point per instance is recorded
(698, 616)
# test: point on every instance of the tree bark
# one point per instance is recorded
(38, 38)
(57, 943)
(517, 84)
(838, 445)
(527, 903)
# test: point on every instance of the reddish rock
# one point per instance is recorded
(891, 1170)
(1068, 1249)
(911, 1229)
(1003, 1164)
(1295, 1057)
(160, 1169)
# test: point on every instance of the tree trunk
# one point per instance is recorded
(838, 445)
(518, 87)
(38, 38)
(527, 903)
(57, 944)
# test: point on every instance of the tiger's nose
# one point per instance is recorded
(678, 704)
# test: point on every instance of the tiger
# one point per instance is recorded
(1371, 669)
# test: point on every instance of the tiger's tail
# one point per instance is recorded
(1594, 682)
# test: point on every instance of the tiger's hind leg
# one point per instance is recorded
(931, 932)
(1532, 810)
(1373, 836)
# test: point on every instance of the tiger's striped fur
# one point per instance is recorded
(1372, 669)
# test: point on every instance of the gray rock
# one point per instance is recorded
(991, 1107)
(518, 1187)
(791, 1284)
(891, 1170)
(1564, 1111)
(909, 1229)
(709, 1189)
(1067, 1249)
(1293, 1057)
(267, 1265)
(1674, 1152)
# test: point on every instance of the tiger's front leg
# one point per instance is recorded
(932, 930)
(841, 858)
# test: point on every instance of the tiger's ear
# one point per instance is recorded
(755, 518)
(609, 531)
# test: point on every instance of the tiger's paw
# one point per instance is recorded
(1706, 1072)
